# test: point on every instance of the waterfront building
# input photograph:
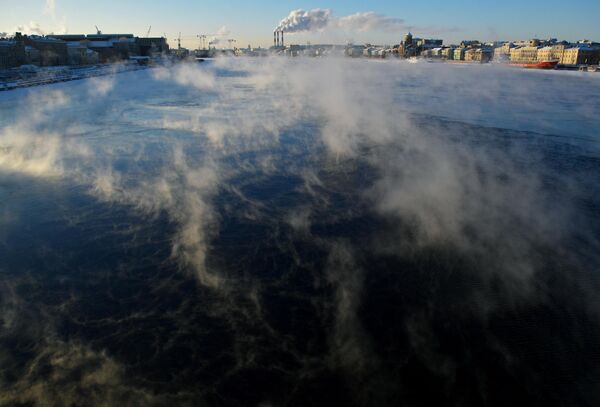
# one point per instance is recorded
(12, 54)
(448, 53)
(112, 47)
(150, 46)
(80, 54)
(425, 43)
(502, 52)
(481, 55)
(408, 47)
(552, 53)
(459, 54)
(52, 51)
(355, 50)
(524, 55)
(582, 54)
(32, 56)
(469, 43)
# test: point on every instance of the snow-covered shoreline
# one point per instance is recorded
(46, 76)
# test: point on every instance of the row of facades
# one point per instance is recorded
(581, 53)
(76, 49)
(532, 51)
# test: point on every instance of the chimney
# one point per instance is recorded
(275, 38)
(282, 44)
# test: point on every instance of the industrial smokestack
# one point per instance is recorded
(282, 44)
(275, 38)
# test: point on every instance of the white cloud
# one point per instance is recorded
(370, 21)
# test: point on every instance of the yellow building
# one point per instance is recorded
(551, 53)
(582, 55)
(459, 54)
(524, 55)
(478, 55)
(502, 53)
(448, 53)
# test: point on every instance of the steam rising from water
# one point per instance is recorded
(275, 205)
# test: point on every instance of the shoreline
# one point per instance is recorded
(50, 75)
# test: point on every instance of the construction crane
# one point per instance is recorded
(148, 33)
(98, 32)
(203, 38)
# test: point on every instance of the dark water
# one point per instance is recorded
(453, 264)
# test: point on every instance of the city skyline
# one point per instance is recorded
(253, 24)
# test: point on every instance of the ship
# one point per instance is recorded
(536, 65)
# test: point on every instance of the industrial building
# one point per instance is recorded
(76, 49)
(52, 51)
(12, 53)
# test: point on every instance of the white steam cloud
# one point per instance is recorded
(33, 28)
(302, 20)
(220, 37)
(323, 19)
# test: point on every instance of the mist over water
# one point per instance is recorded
(302, 232)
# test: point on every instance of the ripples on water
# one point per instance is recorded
(302, 233)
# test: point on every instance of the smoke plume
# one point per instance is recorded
(323, 19)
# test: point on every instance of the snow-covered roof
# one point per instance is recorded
(100, 44)
(38, 38)
(585, 47)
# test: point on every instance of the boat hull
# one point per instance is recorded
(537, 65)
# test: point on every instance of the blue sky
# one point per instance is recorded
(252, 22)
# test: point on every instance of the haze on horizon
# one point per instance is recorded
(252, 24)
